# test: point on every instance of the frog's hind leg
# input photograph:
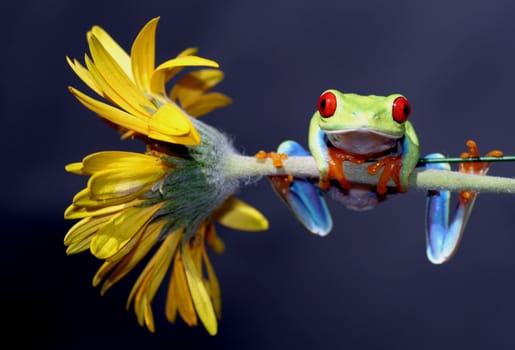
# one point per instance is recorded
(301, 195)
(442, 237)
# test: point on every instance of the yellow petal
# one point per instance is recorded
(100, 161)
(190, 51)
(84, 75)
(169, 74)
(214, 286)
(180, 294)
(170, 120)
(204, 104)
(199, 294)
(129, 121)
(110, 93)
(115, 50)
(194, 84)
(111, 238)
(123, 90)
(168, 248)
(79, 246)
(113, 114)
(171, 300)
(149, 238)
(84, 199)
(84, 228)
(167, 69)
(186, 61)
(149, 317)
(213, 240)
(191, 139)
(171, 123)
(140, 301)
(128, 248)
(106, 267)
(75, 168)
(238, 215)
(77, 212)
(142, 54)
(123, 183)
(151, 277)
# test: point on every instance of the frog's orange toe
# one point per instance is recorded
(391, 166)
(476, 168)
(277, 158)
(335, 167)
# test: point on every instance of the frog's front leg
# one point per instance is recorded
(442, 236)
(397, 167)
(329, 159)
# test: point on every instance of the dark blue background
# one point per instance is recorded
(368, 285)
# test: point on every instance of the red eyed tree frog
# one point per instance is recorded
(356, 128)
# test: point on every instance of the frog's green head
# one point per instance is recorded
(362, 124)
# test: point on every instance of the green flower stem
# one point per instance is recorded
(246, 166)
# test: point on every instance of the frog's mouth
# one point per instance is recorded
(362, 141)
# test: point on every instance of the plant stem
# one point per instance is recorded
(423, 179)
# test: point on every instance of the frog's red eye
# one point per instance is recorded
(401, 109)
(327, 104)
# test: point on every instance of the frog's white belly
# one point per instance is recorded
(362, 141)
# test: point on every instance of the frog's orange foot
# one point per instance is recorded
(476, 168)
(281, 183)
(391, 166)
(277, 158)
(336, 157)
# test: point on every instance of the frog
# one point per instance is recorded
(372, 129)
(356, 128)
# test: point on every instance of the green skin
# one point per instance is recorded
(363, 126)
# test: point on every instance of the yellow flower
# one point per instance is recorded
(137, 88)
(125, 211)
(167, 198)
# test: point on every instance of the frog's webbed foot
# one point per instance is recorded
(300, 195)
(442, 236)
(391, 166)
(334, 170)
